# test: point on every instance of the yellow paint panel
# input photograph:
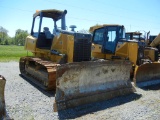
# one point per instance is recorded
(133, 52)
(57, 43)
(122, 50)
(109, 56)
(30, 43)
(98, 55)
(70, 47)
(96, 48)
(97, 52)
(65, 45)
(150, 53)
(128, 50)
(156, 41)
(42, 53)
(60, 43)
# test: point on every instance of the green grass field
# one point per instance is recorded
(12, 53)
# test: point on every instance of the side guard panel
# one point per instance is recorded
(87, 82)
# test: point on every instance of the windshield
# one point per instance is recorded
(131, 36)
(108, 37)
(47, 25)
(137, 37)
(99, 36)
(111, 34)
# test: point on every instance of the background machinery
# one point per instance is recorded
(154, 41)
(2, 100)
(150, 51)
(150, 40)
(109, 42)
(61, 61)
(134, 36)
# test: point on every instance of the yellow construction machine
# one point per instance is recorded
(150, 50)
(135, 36)
(155, 41)
(62, 61)
(149, 40)
(109, 42)
(2, 101)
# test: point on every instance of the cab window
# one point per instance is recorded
(99, 36)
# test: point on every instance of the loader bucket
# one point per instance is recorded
(2, 102)
(147, 74)
(87, 82)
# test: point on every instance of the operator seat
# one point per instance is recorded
(47, 33)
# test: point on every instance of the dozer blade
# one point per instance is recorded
(2, 102)
(87, 82)
(147, 74)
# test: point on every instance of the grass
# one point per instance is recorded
(12, 53)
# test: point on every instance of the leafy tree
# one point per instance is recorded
(20, 36)
(3, 35)
(6, 42)
(9, 41)
(18, 39)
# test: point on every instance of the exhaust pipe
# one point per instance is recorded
(63, 21)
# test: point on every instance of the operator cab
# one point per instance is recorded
(134, 36)
(44, 26)
(108, 36)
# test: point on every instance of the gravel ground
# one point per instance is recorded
(25, 101)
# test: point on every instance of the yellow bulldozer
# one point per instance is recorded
(62, 61)
(150, 51)
(2, 100)
(149, 69)
(110, 42)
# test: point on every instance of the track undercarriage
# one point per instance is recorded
(39, 71)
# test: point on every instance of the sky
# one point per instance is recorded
(135, 15)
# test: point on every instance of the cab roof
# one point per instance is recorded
(51, 13)
(92, 28)
(134, 33)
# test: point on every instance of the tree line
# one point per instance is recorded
(18, 39)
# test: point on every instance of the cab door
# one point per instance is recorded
(110, 43)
